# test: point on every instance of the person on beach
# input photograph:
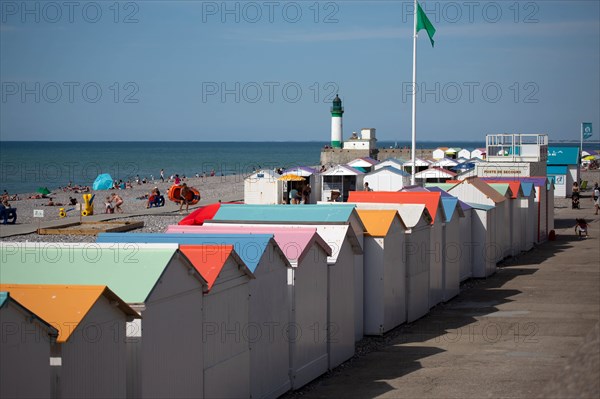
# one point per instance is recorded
(108, 205)
(306, 194)
(154, 194)
(596, 198)
(293, 196)
(118, 201)
(162, 175)
(367, 188)
(177, 181)
(581, 227)
(183, 194)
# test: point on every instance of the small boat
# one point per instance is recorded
(193, 196)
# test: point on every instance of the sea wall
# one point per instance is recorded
(336, 156)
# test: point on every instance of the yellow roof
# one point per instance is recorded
(63, 306)
(377, 222)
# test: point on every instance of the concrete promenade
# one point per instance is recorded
(531, 330)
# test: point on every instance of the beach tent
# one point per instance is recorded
(25, 370)
(43, 190)
(144, 275)
(385, 271)
(88, 318)
(387, 179)
(103, 182)
(268, 304)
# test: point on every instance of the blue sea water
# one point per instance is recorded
(25, 166)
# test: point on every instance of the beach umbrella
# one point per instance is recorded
(43, 190)
(103, 182)
(291, 177)
(591, 157)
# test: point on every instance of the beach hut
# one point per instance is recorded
(452, 152)
(226, 303)
(475, 190)
(88, 318)
(421, 164)
(563, 168)
(528, 216)
(479, 153)
(439, 153)
(387, 179)
(434, 174)
(311, 176)
(385, 271)
(342, 179)
(263, 187)
(364, 164)
(25, 364)
(159, 281)
(393, 162)
(452, 246)
(315, 216)
(416, 253)
(268, 298)
(432, 202)
(465, 153)
(516, 216)
(444, 163)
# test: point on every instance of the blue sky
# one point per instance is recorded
(261, 71)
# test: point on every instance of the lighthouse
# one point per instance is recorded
(336, 122)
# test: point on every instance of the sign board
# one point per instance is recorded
(586, 130)
(38, 213)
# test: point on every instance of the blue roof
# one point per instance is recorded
(527, 188)
(3, 297)
(249, 247)
(286, 213)
(563, 156)
(557, 170)
(392, 170)
(449, 205)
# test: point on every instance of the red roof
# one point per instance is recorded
(208, 260)
(202, 214)
(431, 200)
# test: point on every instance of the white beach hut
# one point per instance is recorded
(434, 174)
(387, 179)
(342, 179)
(444, 163)
(439, 153)
(479, 153)
(26, 351)
(311, 177)
(393, 162)
(385, 271)
(485, 253)
(263, 187)
(416, 253)
(166, 360)
(421, 164)
(465, 153)
(92, 362)
(364, 164)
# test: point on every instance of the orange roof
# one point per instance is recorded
(377, 222)
(431, 200)
(209, 260)
(63, 306)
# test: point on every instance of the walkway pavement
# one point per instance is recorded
(531, 330)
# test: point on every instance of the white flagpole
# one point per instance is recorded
(414, 101)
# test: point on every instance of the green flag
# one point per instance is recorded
(423, 23)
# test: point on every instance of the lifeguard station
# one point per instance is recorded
(514, 155)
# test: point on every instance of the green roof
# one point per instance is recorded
(443, 186)
(129, 270)
(502, 188)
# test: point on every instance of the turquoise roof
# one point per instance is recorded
(557, 170)
(563, 155)
(3, 297)
(130, 272)
(249, 247)
(286, 213)
(527, 188)
(480, 206)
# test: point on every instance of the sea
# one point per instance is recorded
(27, 166)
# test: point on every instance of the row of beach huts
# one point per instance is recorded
(256, 301)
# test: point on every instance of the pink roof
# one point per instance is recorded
(295, 242)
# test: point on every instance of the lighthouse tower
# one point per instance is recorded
(336, 122)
